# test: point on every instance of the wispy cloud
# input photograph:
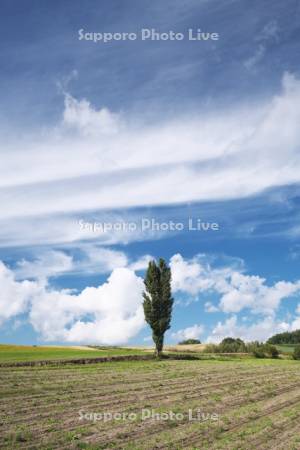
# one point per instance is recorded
(234, 154)
(86, 259)
(268, 36)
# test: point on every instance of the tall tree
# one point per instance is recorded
(158, 301)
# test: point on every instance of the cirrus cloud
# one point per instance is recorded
(235, 154)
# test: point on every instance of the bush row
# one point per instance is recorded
(231, 345)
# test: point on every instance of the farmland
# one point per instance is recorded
(254, 403)
(286, 348)
(14, 353)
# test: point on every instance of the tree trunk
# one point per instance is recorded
(159, 342)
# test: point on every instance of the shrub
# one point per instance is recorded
(257, 349)
(251, 346)
(259, 353)
(296, 353)
(211, 348)
(271, 350)
(260, 350)
(231, 345)
(228, 345)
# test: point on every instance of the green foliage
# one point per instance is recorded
(231, 345)
(211, 348)
(259, 353)
(271, 351)
(287, 337)
(260, 350)
(296, 353)
(286, 348)
(189, 342)
(228, 345)
(158, 301)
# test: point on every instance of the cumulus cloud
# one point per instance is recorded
(193, 332)
(236, 290)
(112, 312)
(257, 331)
(246, 291)
(141, 263)
(14, 296)
(189, 276)
(109, 314)
(80, 115)
(210, 307)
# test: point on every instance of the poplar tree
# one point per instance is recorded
(158, 301)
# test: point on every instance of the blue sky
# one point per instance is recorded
(124, 131)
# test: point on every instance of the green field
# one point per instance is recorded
(255, 404)
(286, 348)
(11, 353)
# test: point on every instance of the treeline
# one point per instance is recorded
(189, 342)
(231, 345)
(288, 337)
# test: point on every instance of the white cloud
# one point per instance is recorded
(257, 331)
(189, 276)
(80, 114)
(14, 296)
(90, 259)
(235, 154)
(236, 290)
(269, 32)
(196, 275)
(259, 54)
(268, 35)
(141, 263)
(109, 314)
(210, 307)
(295, 325)
(112, 312)
(252, 292)
(100, 260)
(47, 264)
(193, 332)
(67, 229)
